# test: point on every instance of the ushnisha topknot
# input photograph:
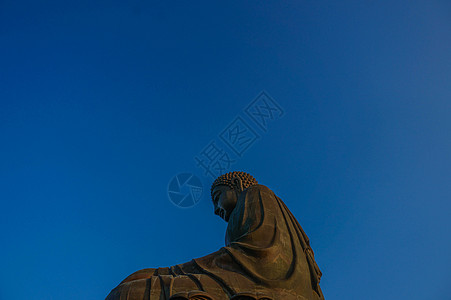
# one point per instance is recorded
(226, 179)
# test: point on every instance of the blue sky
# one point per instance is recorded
(102, 103)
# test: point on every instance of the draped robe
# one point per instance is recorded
(266, 253)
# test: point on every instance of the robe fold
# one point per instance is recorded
(266, 253)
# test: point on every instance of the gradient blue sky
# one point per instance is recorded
(102, 102)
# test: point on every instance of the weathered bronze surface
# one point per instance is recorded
(267, 255)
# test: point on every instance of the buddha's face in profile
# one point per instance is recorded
(224, 200)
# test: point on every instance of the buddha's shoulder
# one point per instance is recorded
(259, 188)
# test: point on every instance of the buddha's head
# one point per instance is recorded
(226, 189)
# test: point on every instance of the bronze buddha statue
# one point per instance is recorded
(266, 255)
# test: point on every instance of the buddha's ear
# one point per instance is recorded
(237, 184)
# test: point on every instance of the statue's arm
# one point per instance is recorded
(141, 274)
(253, 211)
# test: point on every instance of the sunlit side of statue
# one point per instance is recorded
(267, 255)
